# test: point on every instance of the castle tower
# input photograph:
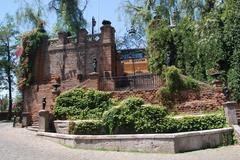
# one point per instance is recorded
(107, 56)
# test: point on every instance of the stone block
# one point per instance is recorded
(44, 121)
(230, 112)
(26, 119)
(62, 127)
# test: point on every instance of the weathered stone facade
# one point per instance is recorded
(69, 63)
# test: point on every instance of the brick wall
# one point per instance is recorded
(208, 99)
(64, 58)
(149, 96)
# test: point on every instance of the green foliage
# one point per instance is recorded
(88, 127)
(82, 104)
(132, 119)
(129, 118)
(159, 48)
(30, 14)
(132, 102)
(8, 42)
(70, 14)
(196, 46)
(174, 84)
(166, 97)
(232, 39)
(173, 79)
(31, 42)
(196, 123)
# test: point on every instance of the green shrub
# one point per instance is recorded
(131, 119)
(174, 84)
(82, 104)
(88, 127)
(190, 83)
(131, 116)
(196, 123)
(146, 118)
(173, 79)
(132, 102)
(166, 97)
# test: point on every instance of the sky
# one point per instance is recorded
(100, 9)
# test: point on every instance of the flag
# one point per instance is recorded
(19, 51)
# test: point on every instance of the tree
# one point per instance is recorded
(69, 14)
(8, 32)
(131, 39)
(29, 15)
(232, 42)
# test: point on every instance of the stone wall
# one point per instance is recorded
(207, 99)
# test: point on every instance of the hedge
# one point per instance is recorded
(88, 127)
(133, 119)
(82, 104)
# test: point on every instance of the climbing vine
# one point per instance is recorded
(31, 42)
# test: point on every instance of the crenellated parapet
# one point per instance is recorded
(84, 39)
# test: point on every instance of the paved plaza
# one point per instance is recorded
(21, 144)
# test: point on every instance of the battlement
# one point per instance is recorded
(64, 39)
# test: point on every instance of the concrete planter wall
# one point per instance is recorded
(63, 126)
(165, 143)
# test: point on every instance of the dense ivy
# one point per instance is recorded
(31, 42)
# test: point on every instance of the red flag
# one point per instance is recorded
(19, 51)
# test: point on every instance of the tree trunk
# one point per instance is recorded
(9, 84)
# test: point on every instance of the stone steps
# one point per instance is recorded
(238, 114)
(33, 128)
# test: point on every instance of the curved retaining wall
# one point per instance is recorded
(164, 143)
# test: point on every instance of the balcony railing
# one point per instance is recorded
(137, 82)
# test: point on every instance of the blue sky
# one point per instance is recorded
(100, 9)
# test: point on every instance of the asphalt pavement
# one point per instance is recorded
(21, 144)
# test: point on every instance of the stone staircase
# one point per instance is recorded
(34, 126)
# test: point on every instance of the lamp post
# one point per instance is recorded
(93, 24)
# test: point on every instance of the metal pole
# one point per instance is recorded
(133, 71)
(93, 25)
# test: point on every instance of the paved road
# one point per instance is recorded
(21, 144)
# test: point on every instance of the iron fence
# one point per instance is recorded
(134, 82)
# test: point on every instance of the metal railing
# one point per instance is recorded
(137, 82)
